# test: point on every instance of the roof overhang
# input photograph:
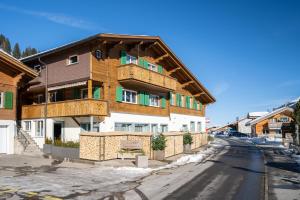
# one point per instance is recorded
(117, 37)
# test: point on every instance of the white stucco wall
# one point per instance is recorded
(177, 120)
(242, 126)
(11, 131)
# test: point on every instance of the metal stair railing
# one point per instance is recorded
(22, 138)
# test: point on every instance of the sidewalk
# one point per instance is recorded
(283, 174)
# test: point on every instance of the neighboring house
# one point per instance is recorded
(242, 123)
(108, 83)
(275, 123)
(13, 76)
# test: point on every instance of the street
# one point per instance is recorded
(237, 174)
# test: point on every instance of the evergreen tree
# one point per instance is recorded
(16, 52)
(8, 46)
(28, 52)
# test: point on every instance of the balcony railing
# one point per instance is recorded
(70, 108)
(134, 72)
(275, 125)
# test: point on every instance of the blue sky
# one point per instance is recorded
(247, 53)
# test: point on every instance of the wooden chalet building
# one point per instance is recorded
(108, 83)
(13, 76)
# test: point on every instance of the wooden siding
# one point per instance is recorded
(66, 109)
(135, 72)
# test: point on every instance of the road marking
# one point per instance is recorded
(8, 190)
(48, 197)
(31, 194)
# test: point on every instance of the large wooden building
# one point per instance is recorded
(108, 83)
(13, 76)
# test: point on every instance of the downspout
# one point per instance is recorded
(46, 97)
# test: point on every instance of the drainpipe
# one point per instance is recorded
(46, 97)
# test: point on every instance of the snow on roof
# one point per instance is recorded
(257, 114)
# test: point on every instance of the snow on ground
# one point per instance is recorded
(263, 141)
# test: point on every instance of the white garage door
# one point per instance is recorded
(3, 139)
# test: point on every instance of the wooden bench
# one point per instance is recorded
(130, 149)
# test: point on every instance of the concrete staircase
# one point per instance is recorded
(24, 144)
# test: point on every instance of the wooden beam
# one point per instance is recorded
(199, 94)
(161, 58)
(151, 45)
(90, 89)
(187, 83)
(174, 70)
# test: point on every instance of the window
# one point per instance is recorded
(182, 101)
(124, 127)
(84, 93)
(164, 128)
(141, 128)
(1, 99)
(131, 59)
(40, 98)
(27, 125)
(184, 128)
(57, 96)
(154, 100)
(154, 128)
(284, 119)
(129, 96)
(39, 128)
(37, 68)
(172, 99)
(85, 127)
(152, 67)
(199, 127)
(192, 127)
(73, 60)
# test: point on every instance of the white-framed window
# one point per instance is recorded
(199, 127)
(1, 99)
(124, 127)
(173, 97)
(85, 127)
(27, 125)
(192, 127)
(152, 67)
(141, 128)
(154, 128)
(154, 100)
(182, 101)
(131, 59)
(84, 93)
(73, 60)
(184, 128)
(164, 128)
(129, 96)
(39, 128)
(284, 119)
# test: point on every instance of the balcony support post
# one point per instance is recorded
(90, 89)
(91, 123)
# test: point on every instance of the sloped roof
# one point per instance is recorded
(270, 114)
(120, 36)
(257, 114)
(16, 64)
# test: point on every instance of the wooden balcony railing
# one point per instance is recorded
(80, 107)
(137, 73)
(274, 125)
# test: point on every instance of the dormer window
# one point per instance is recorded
(73, 60)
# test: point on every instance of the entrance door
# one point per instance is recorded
(58, 131)
(3, 139)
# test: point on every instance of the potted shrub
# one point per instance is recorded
(187, 141)
(158, 147)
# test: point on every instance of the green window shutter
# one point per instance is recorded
(141, 98)
(200, 106)
(8, 100)
(171, 98)
(160, 69)
(187, 101)
(163, 102)
(123, 57)
(194, 103)
(146, 64)
(96, 93)
(141, 62)
(180, 100)
(119, 93)
(147, 99)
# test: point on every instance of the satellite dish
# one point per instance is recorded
(98, 54)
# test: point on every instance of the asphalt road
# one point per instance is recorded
(237, 174)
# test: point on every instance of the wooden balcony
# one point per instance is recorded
(70, 108)
(274, 125)
(186, 111)
(137, 76)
